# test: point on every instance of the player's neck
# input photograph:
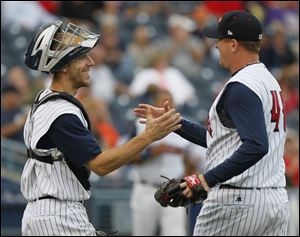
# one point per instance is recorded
(63, 86)
(243, 62)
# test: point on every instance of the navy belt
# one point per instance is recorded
(49, 197)
(45, 197)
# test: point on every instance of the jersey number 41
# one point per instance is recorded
(276, 110)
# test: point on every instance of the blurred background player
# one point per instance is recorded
(162, 75)
(13, 115)
(164, 157)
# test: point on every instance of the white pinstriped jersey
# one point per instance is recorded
(167, 164)
(253, 211)
(223, 142)
(38, 178)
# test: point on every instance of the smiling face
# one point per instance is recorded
(79, 71)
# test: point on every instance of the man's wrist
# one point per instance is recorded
(203, 182)
(146, 137)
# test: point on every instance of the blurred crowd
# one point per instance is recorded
(146, 46)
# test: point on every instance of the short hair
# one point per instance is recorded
(251, 46)
(61, 40)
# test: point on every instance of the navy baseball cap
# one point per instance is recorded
(239, 25)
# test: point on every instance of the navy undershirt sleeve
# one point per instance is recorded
(68, 134)
(245, 110)
(192, 132)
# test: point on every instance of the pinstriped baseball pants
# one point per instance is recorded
(51, 217)
(236, 212)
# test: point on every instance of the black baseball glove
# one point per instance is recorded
(170, 193)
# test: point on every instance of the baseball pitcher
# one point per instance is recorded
(245, 136)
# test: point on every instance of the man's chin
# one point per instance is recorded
(86, 84)
(87, 81)
(83, 84)
(222, 65)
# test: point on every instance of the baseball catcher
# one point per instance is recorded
(170, 193)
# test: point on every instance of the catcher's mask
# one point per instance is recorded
(55, 45)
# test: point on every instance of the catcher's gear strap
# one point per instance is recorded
(47, 159)
(83, 178)
(59, 95)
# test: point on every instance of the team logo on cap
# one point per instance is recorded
(229, 32)
(260, 36)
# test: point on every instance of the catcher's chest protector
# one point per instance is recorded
(82, 176)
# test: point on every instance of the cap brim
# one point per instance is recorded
(211, 32)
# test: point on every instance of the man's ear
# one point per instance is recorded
(234, 45)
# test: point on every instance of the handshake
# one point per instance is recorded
(176, 192)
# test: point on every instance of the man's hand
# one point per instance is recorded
(195, 187)
(141, 111)
(157, 128)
